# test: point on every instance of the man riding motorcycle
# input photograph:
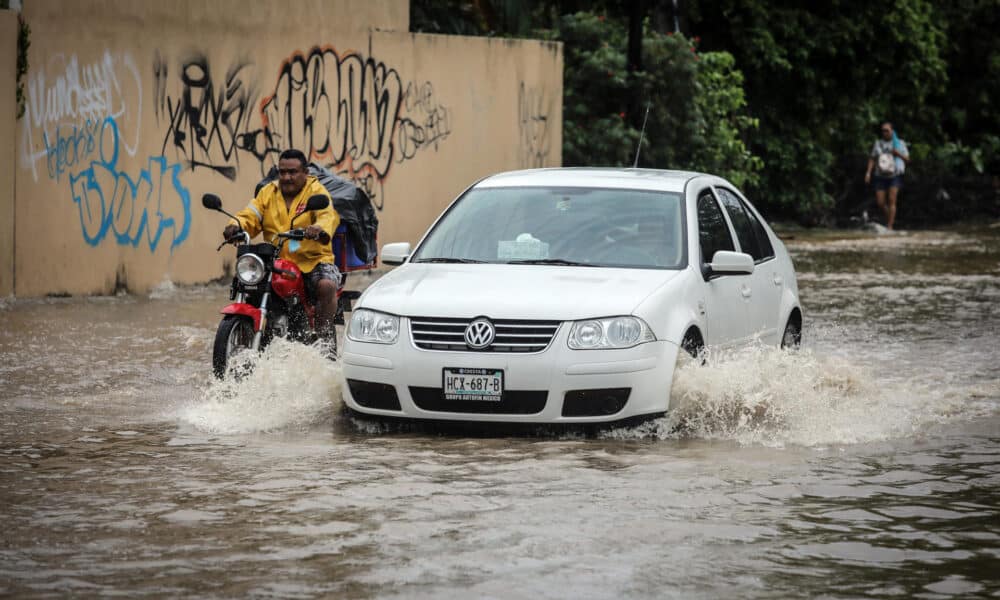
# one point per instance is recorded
(271, 212)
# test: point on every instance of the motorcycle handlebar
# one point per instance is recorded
(293, 234)
(235, 238)
(241, 235)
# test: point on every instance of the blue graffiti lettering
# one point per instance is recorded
(109, 200)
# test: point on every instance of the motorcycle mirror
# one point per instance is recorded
(317, 202)
(211, 201)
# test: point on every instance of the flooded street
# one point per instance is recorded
(865, 465)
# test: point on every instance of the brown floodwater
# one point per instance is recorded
(866, 464)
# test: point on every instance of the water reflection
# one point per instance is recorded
(930, 523)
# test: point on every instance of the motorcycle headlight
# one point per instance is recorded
(373, 326)
(250, 269)
(613, 332)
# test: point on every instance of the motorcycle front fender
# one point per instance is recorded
(247, 310)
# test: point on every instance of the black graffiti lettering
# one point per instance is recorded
(207, 124)
(347, 112)
(411, 137)
(159, 86)
(227, 172)
(337, 110)
(370, 184)
(534, 127)
(427, 122)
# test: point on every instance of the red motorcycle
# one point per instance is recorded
(268, 293)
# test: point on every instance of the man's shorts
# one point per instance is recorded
(322, 271)
(884, 183)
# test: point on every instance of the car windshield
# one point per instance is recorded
(592, 227)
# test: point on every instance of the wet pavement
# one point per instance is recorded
(865, 465)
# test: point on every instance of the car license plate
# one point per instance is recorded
(473, 384)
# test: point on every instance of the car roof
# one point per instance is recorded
(649, 179)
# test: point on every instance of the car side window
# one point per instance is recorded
(713, 233)
(766, 249)
(741, 223)
(753, 238)
(763, 241)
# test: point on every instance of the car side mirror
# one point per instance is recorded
(396, 253)
(317, 202)
(726, 262)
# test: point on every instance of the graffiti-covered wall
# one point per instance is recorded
(134, 110)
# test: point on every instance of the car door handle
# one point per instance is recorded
(746, 291)
(777, 279)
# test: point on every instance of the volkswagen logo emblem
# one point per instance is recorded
(479, 334)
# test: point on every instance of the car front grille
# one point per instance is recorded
(434, 333)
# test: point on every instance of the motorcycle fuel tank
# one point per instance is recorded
(285, 285)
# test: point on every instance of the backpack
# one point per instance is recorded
(886, 165)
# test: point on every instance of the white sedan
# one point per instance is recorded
(566, 296)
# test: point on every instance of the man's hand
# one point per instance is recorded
(315, 232)
(868, 177)
(230, 231)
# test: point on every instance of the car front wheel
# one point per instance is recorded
(792, 338)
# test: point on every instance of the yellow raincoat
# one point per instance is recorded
(267, 213)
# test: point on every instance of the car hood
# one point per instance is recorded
(512, 291)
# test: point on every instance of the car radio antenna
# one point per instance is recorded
(641, 133)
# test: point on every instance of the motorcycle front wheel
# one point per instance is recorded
(235, 334)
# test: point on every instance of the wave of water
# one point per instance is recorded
(757, 396)
(290, 385)
(772, 397)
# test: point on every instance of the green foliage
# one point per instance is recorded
(428, 16)
(820, 78)
(696, 118)
(594, 88)
(956, 158)
(782, 97)
(482, 17)
(671, 86)
(719, 145)
(970, 118)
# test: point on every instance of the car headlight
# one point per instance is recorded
(250, 269)
(373, 326)
(613, 332)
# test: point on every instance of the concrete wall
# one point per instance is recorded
(294, 18)
(136, 109)
(8, 112)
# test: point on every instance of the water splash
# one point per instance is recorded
(290, 385)
(771, 397)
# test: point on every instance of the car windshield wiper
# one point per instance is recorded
(448, 259)
(549, 261)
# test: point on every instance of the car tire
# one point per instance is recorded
(692, 348)
(693, 344)
(792, 337)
